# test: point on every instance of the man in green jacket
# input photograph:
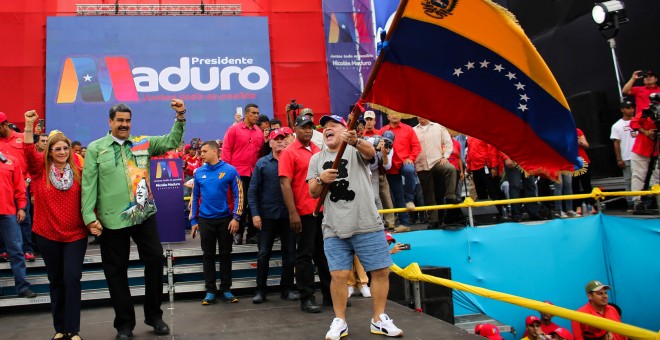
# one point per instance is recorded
(116, 199)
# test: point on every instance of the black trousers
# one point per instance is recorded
(310, 247)
(115, 251)
(246, 218)
(212, 231)
(269, 230)
(487, 187)
(64, 264)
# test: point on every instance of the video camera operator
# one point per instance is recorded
(645, 148)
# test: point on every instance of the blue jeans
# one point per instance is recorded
(403, 193)
(518, 181)
(10, 233)
(564, 188)
(25, 227)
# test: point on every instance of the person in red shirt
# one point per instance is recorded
(292, 170)
(240, 148)
(582, 184)
(485, 164)
(643, 146)
(58, 225)
(406, 149)
(12, 210)
(597, 305)
(370, 124)
(11, 144)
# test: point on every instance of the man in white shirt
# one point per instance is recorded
(623, 138)
(433, 167)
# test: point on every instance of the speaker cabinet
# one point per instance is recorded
(439, 308)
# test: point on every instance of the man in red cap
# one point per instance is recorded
(11, 143)
(490, 331)
(597, 305)
(561, 334)
(533, 329)
(271, 216)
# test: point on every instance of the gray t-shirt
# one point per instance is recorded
(350, 207)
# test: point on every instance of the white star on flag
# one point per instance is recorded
(522, 107)
(469, 65)
(520, 86)
(523, 97)
(343, 26)
(499, 68)
(484, 64)
(511, 76)
(87, 77)
(457, 72)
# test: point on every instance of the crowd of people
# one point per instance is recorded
(544, 329)
(261, 182)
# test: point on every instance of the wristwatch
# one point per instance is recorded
(318, 180)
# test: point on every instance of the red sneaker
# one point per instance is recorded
(29, 257)
(4, 257)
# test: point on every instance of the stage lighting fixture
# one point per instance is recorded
(609, 14)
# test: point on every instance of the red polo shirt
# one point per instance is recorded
(641, 94)
(293, 163)
(370, 133)
(13, 186)
(579, 330)
(13, 145)
(406, 145)
(241, 147)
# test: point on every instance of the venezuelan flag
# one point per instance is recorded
(468, 66)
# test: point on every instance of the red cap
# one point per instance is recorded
(187, 147)
(531, 319)
(548, 302)
(389, 238)
(287, 130)
(490, 331)
(275, 133)
(563, 333)
(477, 328)
(3, 117)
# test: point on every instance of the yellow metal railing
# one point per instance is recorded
(414, 273)
(596, 194)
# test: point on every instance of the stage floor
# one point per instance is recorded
(274, 319)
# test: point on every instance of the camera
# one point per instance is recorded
(3, 159)
(653, 111)
(295, 106)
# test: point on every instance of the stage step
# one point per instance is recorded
(187, 273)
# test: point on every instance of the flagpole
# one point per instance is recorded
(356, 109)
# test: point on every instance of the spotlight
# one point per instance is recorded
(609, 14)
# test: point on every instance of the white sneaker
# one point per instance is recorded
(338, 330)
(351, 290)
(385, 326)
(366, 292)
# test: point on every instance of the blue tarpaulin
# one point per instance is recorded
(548, 261)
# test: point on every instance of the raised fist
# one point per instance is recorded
(31, 116)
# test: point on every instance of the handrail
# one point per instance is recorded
(413, 273)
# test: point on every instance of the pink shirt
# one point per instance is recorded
(241, 147)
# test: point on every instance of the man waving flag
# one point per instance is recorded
(468, 65)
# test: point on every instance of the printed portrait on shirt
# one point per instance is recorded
(142, 205)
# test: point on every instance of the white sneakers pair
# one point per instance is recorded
(339, 328)
(364, 290)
